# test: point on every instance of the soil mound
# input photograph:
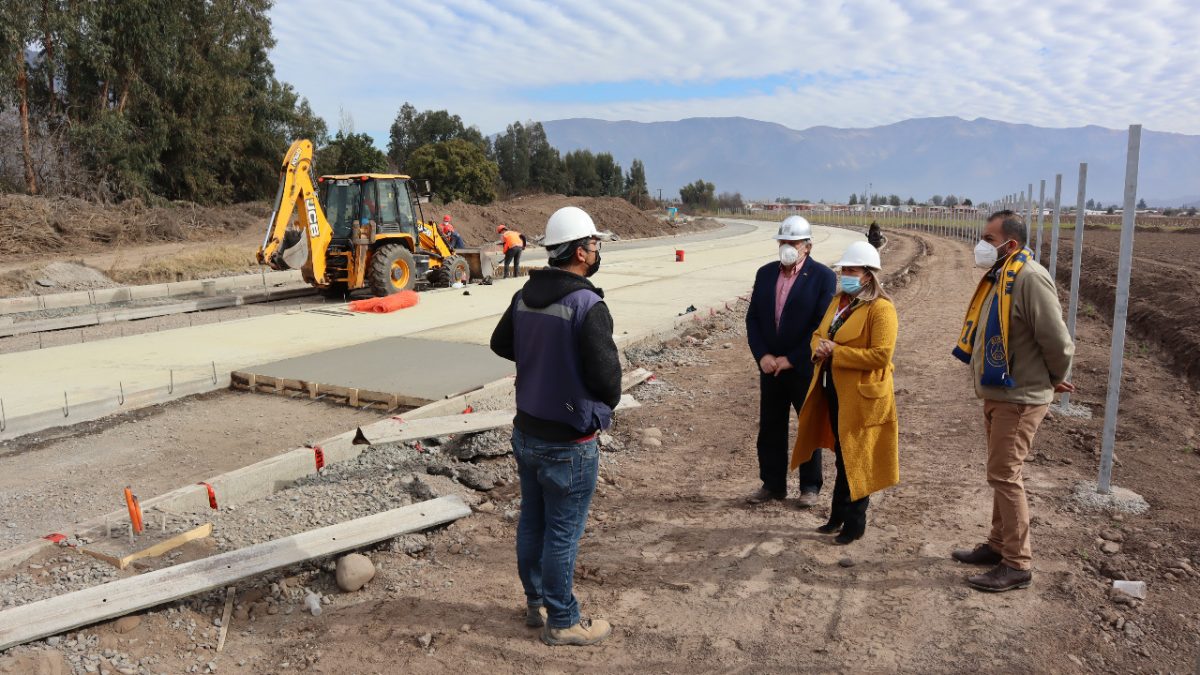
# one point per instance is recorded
(65, 225)
(60, 277)
(528, 215)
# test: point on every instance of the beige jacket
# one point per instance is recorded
(1039, 347)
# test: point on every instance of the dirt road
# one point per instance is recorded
(697, 581)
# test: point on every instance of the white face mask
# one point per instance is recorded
(986, 255)
(788, 255)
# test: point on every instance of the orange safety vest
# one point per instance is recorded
(512, 239)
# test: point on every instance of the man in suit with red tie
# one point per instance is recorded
(789, 298)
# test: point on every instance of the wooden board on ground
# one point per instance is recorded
(162, 547)
(118, 598)
(399, 430)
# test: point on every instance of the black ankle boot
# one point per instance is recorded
(830, 527)
(854, 528)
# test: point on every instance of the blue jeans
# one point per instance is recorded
(557, 482)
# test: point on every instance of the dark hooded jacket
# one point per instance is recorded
(601, 363)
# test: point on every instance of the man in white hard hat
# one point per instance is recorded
(560, 334)
(786, 306)
(1020, 354)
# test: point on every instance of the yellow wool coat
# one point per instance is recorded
(862, 375)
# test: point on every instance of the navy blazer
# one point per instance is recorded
(806, 303)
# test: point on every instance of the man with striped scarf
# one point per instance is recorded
(1020, 354)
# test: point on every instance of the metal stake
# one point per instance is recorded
(1076, 261)
(1120, 312)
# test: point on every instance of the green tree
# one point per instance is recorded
(911, 202)
(351, 153)
(950, 201)
(967, 202)
(459, 170)
(636, 190)
(853, 199)
(936, 200)
(612, 179)
(411, 130)
(1091, 204)
(582, 178)
(1141, 204)
(698, 195)
(894, 200)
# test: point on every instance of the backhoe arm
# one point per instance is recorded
(298, 233)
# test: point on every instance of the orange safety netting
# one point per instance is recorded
(388, 303)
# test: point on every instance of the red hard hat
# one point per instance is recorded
(500, 228)
(446, 218)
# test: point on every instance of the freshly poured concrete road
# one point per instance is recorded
(645, 288)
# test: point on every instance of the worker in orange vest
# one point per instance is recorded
(514, 243)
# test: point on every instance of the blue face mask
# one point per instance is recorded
(851, 285)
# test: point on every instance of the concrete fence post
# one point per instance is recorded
(1054, 228)
(1120, 311)
(1076, 261)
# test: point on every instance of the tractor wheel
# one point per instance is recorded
(454, 268)
(392, 270)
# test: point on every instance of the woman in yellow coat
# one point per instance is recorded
(851, 403)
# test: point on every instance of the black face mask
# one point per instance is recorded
(594, 267)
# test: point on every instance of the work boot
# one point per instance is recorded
(982, 554)
(535, 616)
(1001, 578)
(763, 495)
(586, 632)
(807, 499)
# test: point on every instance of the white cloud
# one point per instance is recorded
(1050, 63)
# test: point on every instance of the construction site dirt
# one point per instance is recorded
(135, 244)
(693, 578)
(1163, 311)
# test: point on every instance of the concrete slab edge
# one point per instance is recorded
(138, 313)
(98, 296)
(75, 413)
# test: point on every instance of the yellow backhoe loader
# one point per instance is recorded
(362, 230)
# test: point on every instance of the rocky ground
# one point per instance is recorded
(696, 580)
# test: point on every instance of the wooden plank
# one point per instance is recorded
(400, 430)
(155, 550)
(118, 598)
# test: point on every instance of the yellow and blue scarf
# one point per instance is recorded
(995, 342)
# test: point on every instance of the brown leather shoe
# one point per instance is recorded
(1001, 578)
(763, 495)
(982, 554)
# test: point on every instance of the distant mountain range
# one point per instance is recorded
(981, 159)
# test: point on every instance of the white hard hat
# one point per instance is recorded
(568, 224)
(794, 228)
(860, 254)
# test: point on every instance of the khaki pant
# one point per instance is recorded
(1010, 429)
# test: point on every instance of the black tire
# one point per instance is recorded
(392, 270)
(452, 269)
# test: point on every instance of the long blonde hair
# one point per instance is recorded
(872, 290)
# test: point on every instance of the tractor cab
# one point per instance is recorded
(387, 200)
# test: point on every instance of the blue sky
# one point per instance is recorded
(845, 64)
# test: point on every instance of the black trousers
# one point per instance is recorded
(851, 514)
(778, 398)
(513, 255)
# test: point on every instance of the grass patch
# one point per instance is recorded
(210, 262)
